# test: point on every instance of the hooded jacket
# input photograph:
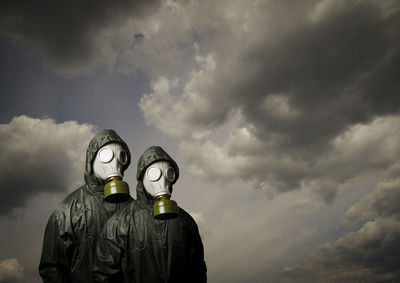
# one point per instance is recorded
(136, 247)
(71, 233)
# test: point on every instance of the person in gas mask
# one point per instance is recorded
(73, 228)
(152, 240)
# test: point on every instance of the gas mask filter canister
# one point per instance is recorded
(157, 181)
(107, 166)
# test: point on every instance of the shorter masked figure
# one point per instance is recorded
(152, 240)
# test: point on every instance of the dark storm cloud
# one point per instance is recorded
(302, 77)
(40, 156)
(336, 71)
(368, 255)
(64, 31)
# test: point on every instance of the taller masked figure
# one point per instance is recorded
(72, 231)
(152, 240)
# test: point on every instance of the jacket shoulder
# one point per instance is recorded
(75, 196)
(188, 219)
(185, 214)
(71, 206)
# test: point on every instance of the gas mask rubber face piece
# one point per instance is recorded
(107, 166)
(157, 181)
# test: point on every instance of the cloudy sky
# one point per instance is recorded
(284, 117)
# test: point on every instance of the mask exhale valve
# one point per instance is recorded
(116, 190)
(165, 208)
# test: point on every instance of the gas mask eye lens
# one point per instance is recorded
(105, 155)
(170, 174)
(123, 157)
(153, 174)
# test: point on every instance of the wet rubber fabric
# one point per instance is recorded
(73, 228)
(136, 247)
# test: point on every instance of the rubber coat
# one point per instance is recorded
(72, 231)
(136, 247)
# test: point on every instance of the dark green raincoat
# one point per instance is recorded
(136, 247)
(73, 228)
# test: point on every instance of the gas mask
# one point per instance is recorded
(107, 166)
(157, 181)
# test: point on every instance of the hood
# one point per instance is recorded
(151, 155)
(99, 140)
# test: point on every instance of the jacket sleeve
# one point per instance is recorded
(197, 265)
(107, 263)
(54, 261)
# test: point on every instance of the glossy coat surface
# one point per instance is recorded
(73, 228)
(136, 247)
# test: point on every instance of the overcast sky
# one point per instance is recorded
(284, 117)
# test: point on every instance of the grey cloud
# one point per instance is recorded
(64, 32)
(11, 271)
(165, 43)
(382, 202)
(370, 254)
(285, 85)
(39, 155)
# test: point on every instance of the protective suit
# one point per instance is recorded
(73, 228)
(134, 246)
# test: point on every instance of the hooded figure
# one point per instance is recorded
(134, 246)
(73, 228)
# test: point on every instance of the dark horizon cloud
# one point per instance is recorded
(38, 156)
(382, 202)
(64, 32)
(370, 254)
